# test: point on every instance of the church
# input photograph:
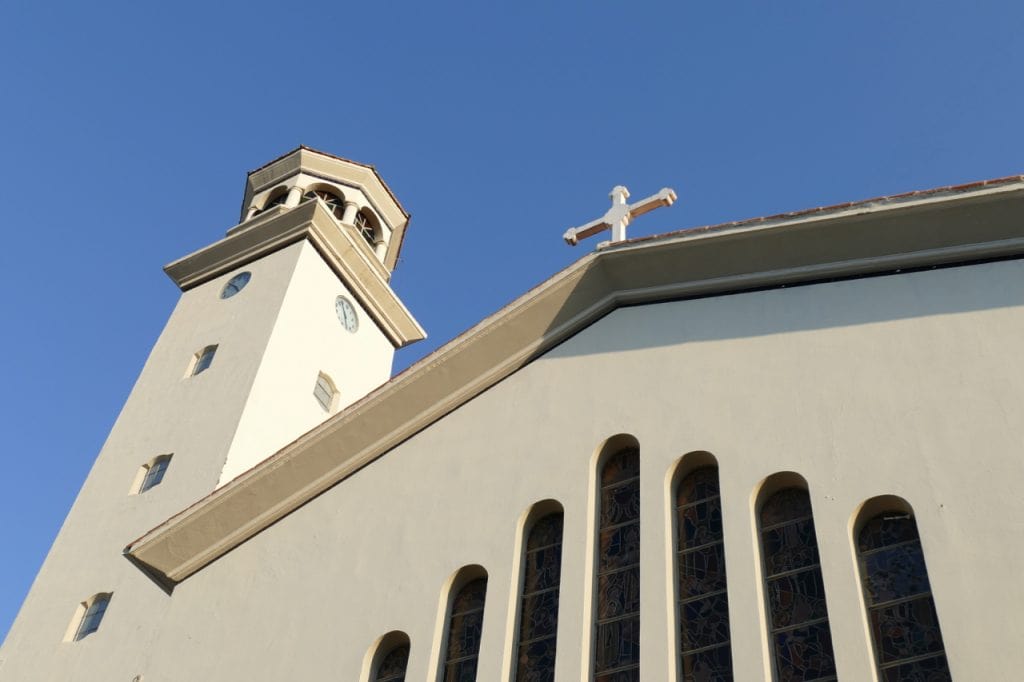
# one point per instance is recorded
(772, 450)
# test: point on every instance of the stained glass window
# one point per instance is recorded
(93, 615)
(901, 611)
(703, 605)
(464, 630)
(797, 617)
(617, 644)
(392, 666)
(538, 611)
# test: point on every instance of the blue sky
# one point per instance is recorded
(126, 131)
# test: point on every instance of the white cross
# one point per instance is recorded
(619, 215)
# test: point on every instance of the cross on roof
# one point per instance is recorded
(619, 215)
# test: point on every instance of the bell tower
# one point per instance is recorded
(283, 322)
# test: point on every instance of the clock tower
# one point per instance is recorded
(283, 322)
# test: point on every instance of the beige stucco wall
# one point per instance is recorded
(905, 385)
(307, 338)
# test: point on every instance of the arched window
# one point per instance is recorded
(700, 562)
(901, 611)
(465, 625)
(538, 611)
(617, 643)
(90, 614)
(334, 202)
(366, 223)
(154, 473)
(325, 392)
(797, 615)
(277, 198)
(392, 665)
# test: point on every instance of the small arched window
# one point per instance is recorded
(366, 224)
(700, 562)
(202, 360)
(90, 614)
(335, 202)
(538, 611)
(393, 664)
(901, 611)
(325, 392)
(617, 621)
(465, 626)
(154, 473)
(277, 198)
(797, 615)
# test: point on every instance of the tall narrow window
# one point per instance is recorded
(797, 615)
(700, 562)
(392, 666)
(364, 223)
(155, 473)
(538, 614)
(95, 608)
(617, 644)
(904, 624)
(203, 359)
(464, 628)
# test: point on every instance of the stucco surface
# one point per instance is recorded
(906, 385)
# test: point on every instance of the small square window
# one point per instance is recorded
(90, 615)
(155, 472)
(324, 392)
(203, 359)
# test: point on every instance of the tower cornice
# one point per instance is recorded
(343, 250)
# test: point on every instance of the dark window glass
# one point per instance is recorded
(364, 224)
(538, 615)
(392, 667)
(904, 625)
(797, 616)
(155, 473)
(204, 360)
(464, 630)
(700, 565)
(92, 617)
(617, 640)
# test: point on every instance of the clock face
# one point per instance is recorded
(346, 313)
(235, 284)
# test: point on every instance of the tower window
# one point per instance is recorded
(278, 199)
(154, 472)
(235, 284)
(364, 224)
(203, 359)
(334, 202)
(324, 392)
(91, 614)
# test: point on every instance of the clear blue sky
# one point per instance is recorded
(126, 132)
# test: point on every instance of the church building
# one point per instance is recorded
(776, 450)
